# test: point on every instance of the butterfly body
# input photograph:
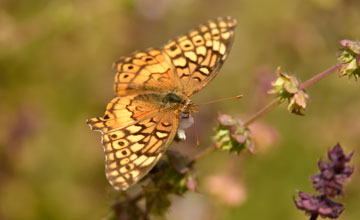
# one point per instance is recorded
(152, 90)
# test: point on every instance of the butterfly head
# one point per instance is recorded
(189, 107)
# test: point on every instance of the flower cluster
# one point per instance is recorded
(333, 173)
(319, 205)
(231, 135)
(350, 58)
(329, 183)
(286, 87)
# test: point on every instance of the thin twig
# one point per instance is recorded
(204, 153)
(319, 76)
(262, 112)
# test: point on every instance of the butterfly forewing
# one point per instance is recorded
(126, 110)
(143, 71)
(198, 55)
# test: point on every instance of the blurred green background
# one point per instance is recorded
(55, 72)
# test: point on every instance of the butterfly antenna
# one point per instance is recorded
(197, 136)
(221, 100)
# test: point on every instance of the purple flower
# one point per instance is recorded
(232, 135)
(329, 183)
(333, 173)
(318, 205)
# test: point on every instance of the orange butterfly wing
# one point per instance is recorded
(136, 131)
(138, 126)
(197, 56)
(144, 71)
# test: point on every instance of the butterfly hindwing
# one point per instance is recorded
(135, 134)
(132, 151)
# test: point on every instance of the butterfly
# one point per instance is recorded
(152, 90)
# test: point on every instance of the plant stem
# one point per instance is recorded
(262, 112)
(319, 76)
(204, 153)
(314, 216)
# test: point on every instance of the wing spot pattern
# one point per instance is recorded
(204, 70)
(113, 165)
(148, 161)
(135, 173)
(136, 138)
(110, 156)
(180, 62)
(161, 134)
(133, 157)
(124, 161)
(140, 160)
(136, 147)
(134, 129)
(120, 179)
(114, 173)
